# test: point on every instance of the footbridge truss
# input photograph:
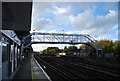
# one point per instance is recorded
(57, 38)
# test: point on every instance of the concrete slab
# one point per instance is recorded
(38, 72)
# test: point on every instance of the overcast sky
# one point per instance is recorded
(99, 19)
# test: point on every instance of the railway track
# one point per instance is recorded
(93, 72)
(70, 71)
(85, 61)
(62, 76)
(91, 67)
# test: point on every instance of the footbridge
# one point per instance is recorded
(57, 38)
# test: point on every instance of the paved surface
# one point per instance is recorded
(31, 71)
(25, 70)
(37, 72)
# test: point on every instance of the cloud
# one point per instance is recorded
(41, 24)
(107, 20)
(106, 23)
(59, 11)
(82, 20)
(102, 37)
(90, 31)
(98, 25)
(52, 31)
(62, 10)
(117, 32)
(62, 14)
(69, 32)
(40, 8)
(116, 26)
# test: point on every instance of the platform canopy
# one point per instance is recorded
(16, 16)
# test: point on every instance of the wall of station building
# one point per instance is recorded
(10, 56)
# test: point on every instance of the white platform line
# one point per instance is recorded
(42, 70)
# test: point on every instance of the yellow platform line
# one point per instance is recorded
(32, 73)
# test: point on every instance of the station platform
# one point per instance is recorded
(30, 70)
